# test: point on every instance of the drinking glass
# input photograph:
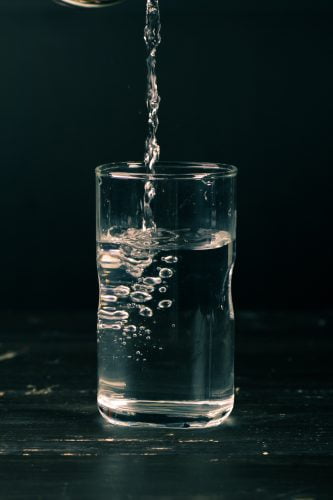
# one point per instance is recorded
(165, 317)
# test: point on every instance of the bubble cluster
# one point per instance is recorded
(125, 299)
(135, 260)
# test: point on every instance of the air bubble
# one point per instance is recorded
(143, 288)
(165, 304)
(163, 289)
(149, 185)
(115, 326)
(121, 315)
(170, 259)
(129, 357)
(160, 348)
(146, 312)
(130, 328)
(148, 337)
(109, 298)
(108, 261)
(113, 315)
(135, 335)
(165, 273)
(121, 291)
(136, 272)
(138, 353)
(152, 281)
(141, 296)
(124, 343)
(147, 332)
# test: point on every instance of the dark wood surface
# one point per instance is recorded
(276, 445)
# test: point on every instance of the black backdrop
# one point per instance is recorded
(245, 82)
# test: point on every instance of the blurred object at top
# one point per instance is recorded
(89, 3)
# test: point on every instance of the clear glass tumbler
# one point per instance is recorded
(165, 318)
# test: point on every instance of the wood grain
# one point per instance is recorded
(277, 443)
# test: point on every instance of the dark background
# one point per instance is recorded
(245, 82)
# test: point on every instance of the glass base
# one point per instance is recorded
(167, 414)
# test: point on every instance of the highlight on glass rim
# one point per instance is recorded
(89, 3)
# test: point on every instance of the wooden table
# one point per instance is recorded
(276, 445)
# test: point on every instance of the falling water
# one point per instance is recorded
(152, 36)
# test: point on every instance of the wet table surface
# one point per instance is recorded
(276, 445)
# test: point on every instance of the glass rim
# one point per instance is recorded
(173, 170)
